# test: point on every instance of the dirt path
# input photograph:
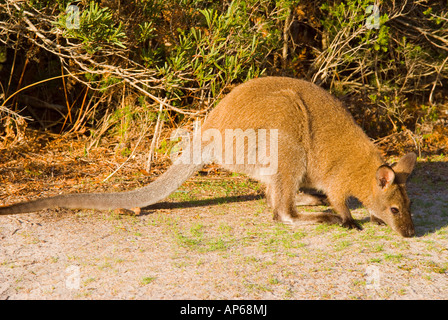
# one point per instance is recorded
(214, 239)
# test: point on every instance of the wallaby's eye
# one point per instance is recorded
(394, 210)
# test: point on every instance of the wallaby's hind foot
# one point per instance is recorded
(283, 202)
(306, 199)
(320, 217)
(311, 218)
(285, 212)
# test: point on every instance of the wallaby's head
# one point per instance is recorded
(390, 200)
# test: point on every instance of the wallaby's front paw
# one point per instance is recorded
(351, 224)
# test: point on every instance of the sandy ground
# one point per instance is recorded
(217, 241)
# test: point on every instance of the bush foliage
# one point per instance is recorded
(184, 55)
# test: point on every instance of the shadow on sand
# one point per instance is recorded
(428, 191)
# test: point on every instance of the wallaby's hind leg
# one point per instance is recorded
(282, 188)
(280, 198)
(307, 199)
(281, 194)
(268, 194)
(342, 215)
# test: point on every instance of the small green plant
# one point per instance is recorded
(200, 239)
(395, 258)
(96, 27)
(147, 280)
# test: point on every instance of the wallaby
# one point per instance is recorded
(317, 143)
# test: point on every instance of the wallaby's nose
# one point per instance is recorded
(409, 232)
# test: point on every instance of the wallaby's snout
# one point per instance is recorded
(391, 203)
(409, 232)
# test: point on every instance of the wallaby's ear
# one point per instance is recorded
(385, 176)
(404, 167)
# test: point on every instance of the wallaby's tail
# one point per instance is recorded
(158, 190)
